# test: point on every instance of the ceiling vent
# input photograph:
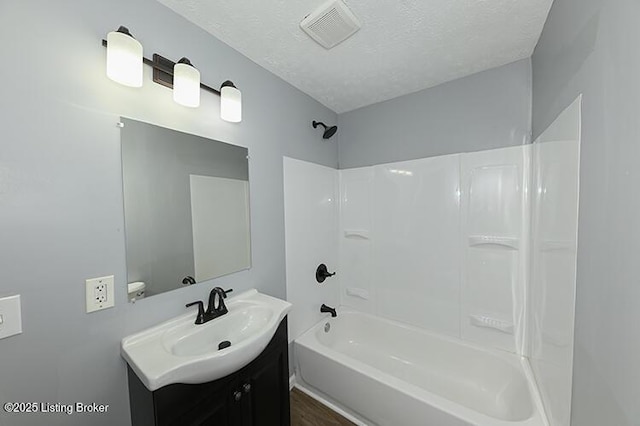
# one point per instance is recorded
(331, 24)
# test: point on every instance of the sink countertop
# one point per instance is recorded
(158, 359)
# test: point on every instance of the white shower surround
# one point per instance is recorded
(442, 244)
(445, 244)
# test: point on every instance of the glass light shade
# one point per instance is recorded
(124, 59)
(230, 104)
(186, 85)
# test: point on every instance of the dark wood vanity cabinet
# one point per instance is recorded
(256, 395)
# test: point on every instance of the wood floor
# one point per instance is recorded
(306, 411)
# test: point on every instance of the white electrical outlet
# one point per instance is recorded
(99, 293)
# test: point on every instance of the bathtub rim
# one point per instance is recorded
(308, 340)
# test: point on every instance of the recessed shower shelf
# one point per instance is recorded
(510, 243)
(485, 321)
(357, 234)
(556, 245)
(358, 292)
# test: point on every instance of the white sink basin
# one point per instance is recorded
(179, 351)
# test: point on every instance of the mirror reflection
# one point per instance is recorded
(186, 208)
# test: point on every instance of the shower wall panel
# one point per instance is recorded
(356, 248)
(311, 224)
(439, 243)
(416, 242)
(494, 236)
(554, 254)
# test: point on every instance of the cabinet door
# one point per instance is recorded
(215, 412)
(210, 404)
(266, 391)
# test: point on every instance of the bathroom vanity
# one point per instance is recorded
(230, 371)
(258, 394)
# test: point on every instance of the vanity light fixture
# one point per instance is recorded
(182, 77)
(230, 102)
(186, 84)
(124, 58)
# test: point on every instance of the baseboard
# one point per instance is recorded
(292, 381)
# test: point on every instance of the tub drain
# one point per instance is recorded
(327, 327)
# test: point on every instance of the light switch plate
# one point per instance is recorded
(99, 293)
(11, 316)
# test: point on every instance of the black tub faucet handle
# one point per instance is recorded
(322, 273)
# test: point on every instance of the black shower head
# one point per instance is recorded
(328, 131)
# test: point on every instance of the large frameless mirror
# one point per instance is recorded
(186, 208)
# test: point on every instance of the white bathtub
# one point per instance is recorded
(391, 374)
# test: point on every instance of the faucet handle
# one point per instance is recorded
(222, 292)
(322, 273)
(200, 316)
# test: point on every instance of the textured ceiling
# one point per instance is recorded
(403, 46)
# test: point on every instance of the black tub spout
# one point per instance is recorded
(328, 309)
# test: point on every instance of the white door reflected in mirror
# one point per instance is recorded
(219, 250)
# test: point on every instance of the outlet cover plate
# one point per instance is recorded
(11, 315)
(99, 293)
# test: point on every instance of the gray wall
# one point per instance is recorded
(591, 47)
(61, 214)
(491, 109)
(156, 164)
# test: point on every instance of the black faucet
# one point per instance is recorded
(216, 307)
(328, 309)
